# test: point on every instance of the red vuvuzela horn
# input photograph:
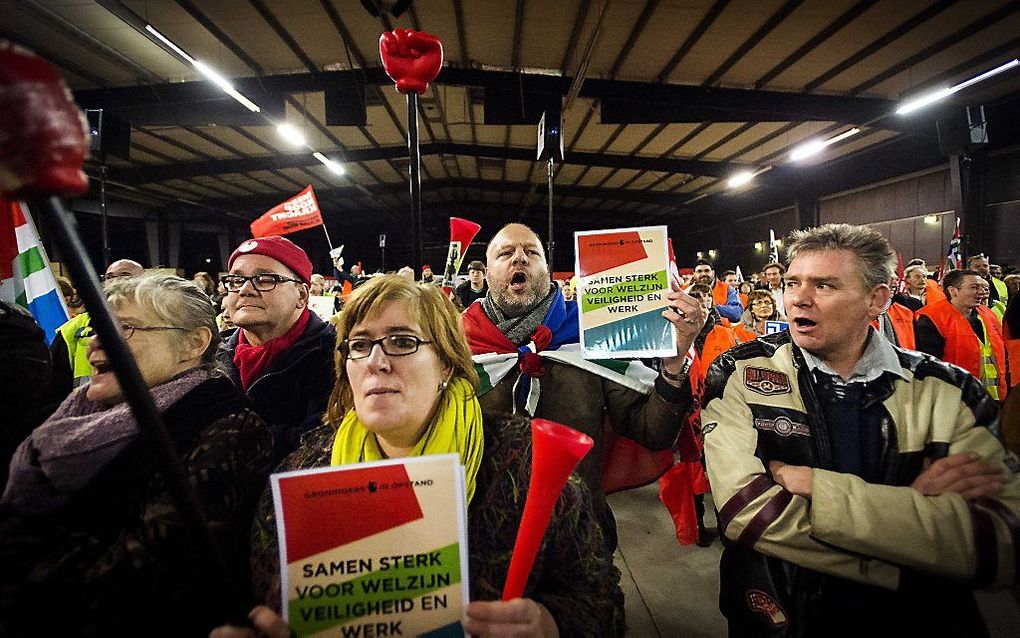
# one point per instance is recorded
(462, 231)
(556, 451)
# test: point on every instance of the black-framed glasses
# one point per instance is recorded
(392, 345)
(263, 282)
(127, 330)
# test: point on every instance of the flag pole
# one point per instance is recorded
(328, 240)
(136, 393)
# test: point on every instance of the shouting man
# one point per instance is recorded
(525, 337)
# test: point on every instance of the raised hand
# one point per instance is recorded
(411, 58)
(43, 135)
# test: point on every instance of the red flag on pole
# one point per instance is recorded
(297, 213)
(462, 231)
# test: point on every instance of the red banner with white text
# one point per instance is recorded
(297, 213)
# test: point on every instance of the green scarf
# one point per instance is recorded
(457, 428)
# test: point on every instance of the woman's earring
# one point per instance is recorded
(442, 386)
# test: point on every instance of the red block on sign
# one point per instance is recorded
(604, 251)
(326, 510)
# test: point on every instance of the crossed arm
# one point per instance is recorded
(958, 519)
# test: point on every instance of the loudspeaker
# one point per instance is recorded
(550, 137)
(108, 134)
(963, 130)
(345, 107)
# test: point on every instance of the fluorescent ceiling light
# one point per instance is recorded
(291, 134)
(167, 41)
(815, 147)
(931, 219)
(333, 166)
(740, 179)
(923, 101)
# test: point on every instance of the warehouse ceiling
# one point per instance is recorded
(661, 101)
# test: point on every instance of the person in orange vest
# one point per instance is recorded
(725, 298)
(897, 322)
(761, 307)
(963, 331)
(686, 480)
(1011, 334)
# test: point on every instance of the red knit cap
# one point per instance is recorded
(279, 248)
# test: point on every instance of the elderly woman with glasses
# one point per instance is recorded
(90, 541)
(761, 307)
(406, 387)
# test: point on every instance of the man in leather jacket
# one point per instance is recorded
(861, 489)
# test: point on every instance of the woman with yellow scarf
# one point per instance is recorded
(406, 387)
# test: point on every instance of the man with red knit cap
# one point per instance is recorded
(282, 354)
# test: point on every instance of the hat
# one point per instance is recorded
(279, 248)
(426, 267)
(476, 265)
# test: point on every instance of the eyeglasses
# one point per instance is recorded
(392, 345)
(262, 283)
(762, 302)
(127, 330)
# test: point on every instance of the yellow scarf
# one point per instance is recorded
(456, 429)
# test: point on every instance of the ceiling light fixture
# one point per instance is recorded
(291, 134)
(931, 219)
(206, 70)
(912, 105)
(815, 147)
(740, 179)
(170, 43)
(333, 166)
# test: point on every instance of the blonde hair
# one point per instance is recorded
(175, 301)
(427, 306)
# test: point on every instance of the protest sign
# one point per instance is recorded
(622, 285)
(375, 548)
(322, 305)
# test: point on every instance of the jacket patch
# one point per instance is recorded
(766, 382)
(708, 427)
(782, 426)
(762, 603)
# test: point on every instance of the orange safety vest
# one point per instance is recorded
(720, 293)
(902, 319)
(743, 299)
(1012, 355)
(718, 341)
(962, 346)
(742, 334)
(933, 292)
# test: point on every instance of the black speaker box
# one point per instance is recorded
(108, 134)
(962, 130)
(550, 137)
(345, 107)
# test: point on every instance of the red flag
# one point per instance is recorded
(902, 287)
(297, 213)
(462, 231)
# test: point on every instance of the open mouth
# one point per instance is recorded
(518, 281)
(801, 322)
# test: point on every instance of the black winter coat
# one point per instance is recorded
(291, 396)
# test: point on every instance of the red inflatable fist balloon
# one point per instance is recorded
(411, 58)
(43, 135)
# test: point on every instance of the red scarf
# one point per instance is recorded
(252, 361)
